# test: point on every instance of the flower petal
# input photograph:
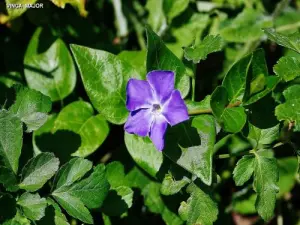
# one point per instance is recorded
(175, 110)
(162, 82)
(139, 122)
(157, 132)
(139, 94)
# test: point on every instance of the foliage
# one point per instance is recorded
(65, 157)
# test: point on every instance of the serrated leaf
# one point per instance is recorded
(265, 185)
(105, 77)
(38, 171)
(11, 134)
(8, 179)
(173, 8)
(91, 191)
(170, 186)
(246, 26)
(74, 207)
(159, 57)
(199, 208)
(32, 205)
(200, 51)
(288, 168)
(79, 118)
(287, 68)
(49, 67)
(31, 107)
(144, 153)
(71, 172)
(243, 170)
(290, 41)
(289, 110)
(231, 119)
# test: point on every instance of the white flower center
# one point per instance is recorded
(156, 109)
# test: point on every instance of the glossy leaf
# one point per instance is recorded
(287, 68)
(79, 118)
(289, 110)
(31, 107)
(105, 77)
(38, 171)
(11, 134)
(49, 66)
(71, 172)
(91, 191)
(265, 185)
(32, 205)
(243, 170)
(8, 179)
(231, 119)
(200, 51)
(144, 153)
(159, 57)
(290, 41)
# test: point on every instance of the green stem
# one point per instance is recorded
(279, 8)
(139, 29)
(288, 27)
(193, 88)
(226, 156)
(207, 111)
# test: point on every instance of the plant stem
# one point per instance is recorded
(288, 27)
(193, 88)
(279, 8)
(207, 111)
(226, 156)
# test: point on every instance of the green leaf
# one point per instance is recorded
(245, 205)
(11, 134)
(235, 79)
(72, 171)
(243, 170)
(8, 179)
(19, 219)
(159, 57)
(136, 179)
(156, 18)
(115, 174)
(137, 59)
(105, 77)
(203, 105)
(199, 208)
(79, 5)
(288, 168)
(32, 205)
(38, 171)
(126, 194)
(31, 107)
(187, 33)
(263, 137)
(287, 68)
(170, 186)
(16, 12)
(74, 207)
(144, 153)
(79, 118)
(265, 185)
(59, 217)
(289, 110)
(246, 26)
(49, 67)
(91, 191)
(200, 51)
(290, 41)
(173, 8)
(231, 119)
(184, 148)
(155, 204)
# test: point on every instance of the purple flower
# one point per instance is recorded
(153, 104)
